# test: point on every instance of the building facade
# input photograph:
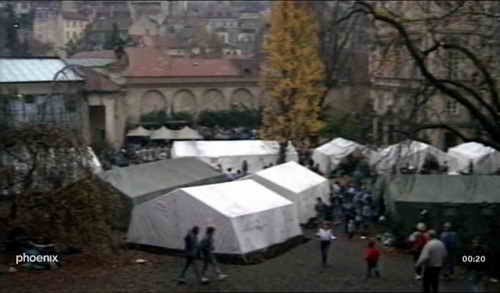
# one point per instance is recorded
(397, 82)
(58, 27)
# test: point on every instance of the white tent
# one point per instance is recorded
(248, 217)
(187, 133)
(329, 155)
(485, 160)
(139, 131)
(232, 153)
(163, 133)
(94, 163)
(141, 183)
(296, 183)
(409, 153)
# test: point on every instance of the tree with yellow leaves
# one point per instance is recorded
(292, 75)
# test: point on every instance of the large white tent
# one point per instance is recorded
(485, 160)
(296, 183)
(248, 217)
(232, 153)
(144, 182)
(329, 155)
(409, 153)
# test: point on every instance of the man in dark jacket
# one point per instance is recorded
(207, 251)
(320, 209)
(450, 240)
(476, 259)
(192, 253)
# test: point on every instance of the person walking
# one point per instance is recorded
(244, 167)
(372, 255)
(191, 250)
(325, 235)
(320, 209)
(366, 213)
(417, 240)
(207, 252)
(351, 227)
(450, 240)
(328, 213)
(432, 259)
(476, 263)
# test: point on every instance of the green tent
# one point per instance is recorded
(470, 203)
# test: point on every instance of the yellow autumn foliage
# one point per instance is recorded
(292, 75)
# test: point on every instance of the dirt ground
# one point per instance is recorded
(297, 270)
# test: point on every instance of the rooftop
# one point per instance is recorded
(152, 62)
(73, 16)
(35, 69)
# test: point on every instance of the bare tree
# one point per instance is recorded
(340, 40)
(45, 159)
(425, 39)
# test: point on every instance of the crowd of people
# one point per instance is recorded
(352, 205)
(435, 254)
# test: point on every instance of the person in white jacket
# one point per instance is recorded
(432, 259)
(325, 235)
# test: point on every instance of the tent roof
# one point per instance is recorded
(225, 148)
(292, 176)
(140, 180)
(139, 131)
(339, 146)
(471, 150)
(163, 133)
(445, 189)
(406, 148)
(187, 133)
(237, 198)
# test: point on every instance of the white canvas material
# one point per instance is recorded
(232, 153)
(486, 160)
(412, 153)
(329, 155)
(248, 217)
(94, 163)
(296, 183)
(139, 131)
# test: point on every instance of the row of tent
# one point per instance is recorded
(485, 160)
(164, 133)
(231, 153)
(168, 197)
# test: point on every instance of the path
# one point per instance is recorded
(297, 270)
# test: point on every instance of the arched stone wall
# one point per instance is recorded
(242, 96)
(184, 101)
(153, 101)
(212, 99)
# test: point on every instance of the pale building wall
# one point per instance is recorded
(115, 120)
(393, 78)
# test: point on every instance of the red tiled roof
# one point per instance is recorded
(105, 54)
(95, 81)
(151, 62)
(73, 15)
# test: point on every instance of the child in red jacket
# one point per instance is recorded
(372, 255)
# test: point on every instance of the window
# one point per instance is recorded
(451, 107)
